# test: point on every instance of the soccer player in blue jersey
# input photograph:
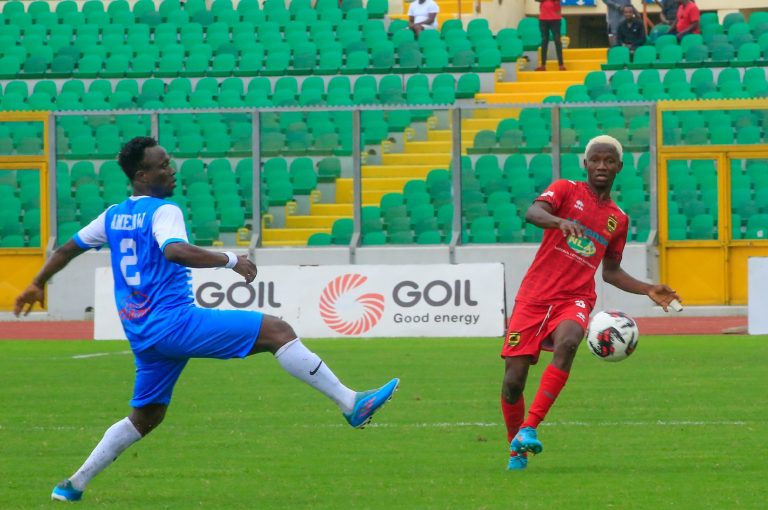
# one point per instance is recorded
(150, 261)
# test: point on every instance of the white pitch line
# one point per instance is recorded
(468, 424)
(98, 354)
(658, 423)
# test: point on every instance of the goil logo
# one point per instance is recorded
(346, 315)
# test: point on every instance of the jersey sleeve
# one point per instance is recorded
(411, 10)
(615, 248)
(556, 194)
(93, 235)
(433, 8)
(168, 226)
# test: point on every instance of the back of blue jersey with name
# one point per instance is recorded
(149, 289)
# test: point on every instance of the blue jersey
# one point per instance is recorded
(149, 289)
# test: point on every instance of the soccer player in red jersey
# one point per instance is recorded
(583, 227)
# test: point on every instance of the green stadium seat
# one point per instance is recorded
(328, 169)
(669, 56)
(510, 230)
(749, 135)
(341, 231)
(435, 60)
(748, 55)
(529, 32)
(429, 237)
(618, 58)
(532, 233)
(303, 176)
(644, 57)
(702, 227)
(468, 85)
(319, 239)
(722, 54)
(695, 56)
(485, 141)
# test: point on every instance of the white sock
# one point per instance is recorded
(307, 366)
(116, 439)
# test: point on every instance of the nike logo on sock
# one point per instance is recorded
(313, 372)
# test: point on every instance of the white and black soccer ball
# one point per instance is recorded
(612, 335)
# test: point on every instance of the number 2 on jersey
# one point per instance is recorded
(128, 261)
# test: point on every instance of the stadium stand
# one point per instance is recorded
(113, 57)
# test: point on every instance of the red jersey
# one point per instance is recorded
(549, 10)
(687, 15)
(564, 268)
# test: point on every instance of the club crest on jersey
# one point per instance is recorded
(612, 223)
(579, 205)
(582, 245)
(513, 338)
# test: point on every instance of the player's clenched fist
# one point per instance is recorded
(570, 228)
(245, 268)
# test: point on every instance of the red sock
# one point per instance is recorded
(513, 416)
(552, 381)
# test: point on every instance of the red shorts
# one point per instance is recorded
(531, 326)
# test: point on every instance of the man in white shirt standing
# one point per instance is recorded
(422, 15)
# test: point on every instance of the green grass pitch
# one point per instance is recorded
(682, 424)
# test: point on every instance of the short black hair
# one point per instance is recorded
(132, 154)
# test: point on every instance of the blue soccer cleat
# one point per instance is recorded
(65, 492)
(517, 462)
(368, 402)
(526, 441)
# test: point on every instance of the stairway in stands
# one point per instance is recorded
(419, 157)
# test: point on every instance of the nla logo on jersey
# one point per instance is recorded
(346, 314)
(582, 245)
(585, 245)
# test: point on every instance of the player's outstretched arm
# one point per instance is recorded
(540, 214)
(191, 256)
(660, 294)
(35, 291)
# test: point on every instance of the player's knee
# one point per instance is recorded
(283, 332)
(276, 331)
(148, 418)
(568, 347)
(512, 388)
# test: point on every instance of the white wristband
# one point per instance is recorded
(232, 259)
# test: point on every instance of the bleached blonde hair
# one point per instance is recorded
(605, 139)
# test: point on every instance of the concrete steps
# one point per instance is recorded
(439, 160)
(407, 171)
(289, 236)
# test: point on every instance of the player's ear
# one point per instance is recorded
(140, 175)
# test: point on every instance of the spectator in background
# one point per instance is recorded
(668, 11)
(613, 17)
(422, 15)
(687, 20)
(549, 21)
(631, 33)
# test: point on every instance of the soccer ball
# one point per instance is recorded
(612, 335)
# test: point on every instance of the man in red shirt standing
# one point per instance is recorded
(549, 21)
(584, 227)
(687, 21)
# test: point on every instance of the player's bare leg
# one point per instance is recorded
(513, 404)
(566, 338)
(116, 440)
(277, 336)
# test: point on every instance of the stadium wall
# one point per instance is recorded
(71, 292)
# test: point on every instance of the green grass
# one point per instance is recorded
(682, 424)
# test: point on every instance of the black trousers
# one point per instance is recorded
(546, 27)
